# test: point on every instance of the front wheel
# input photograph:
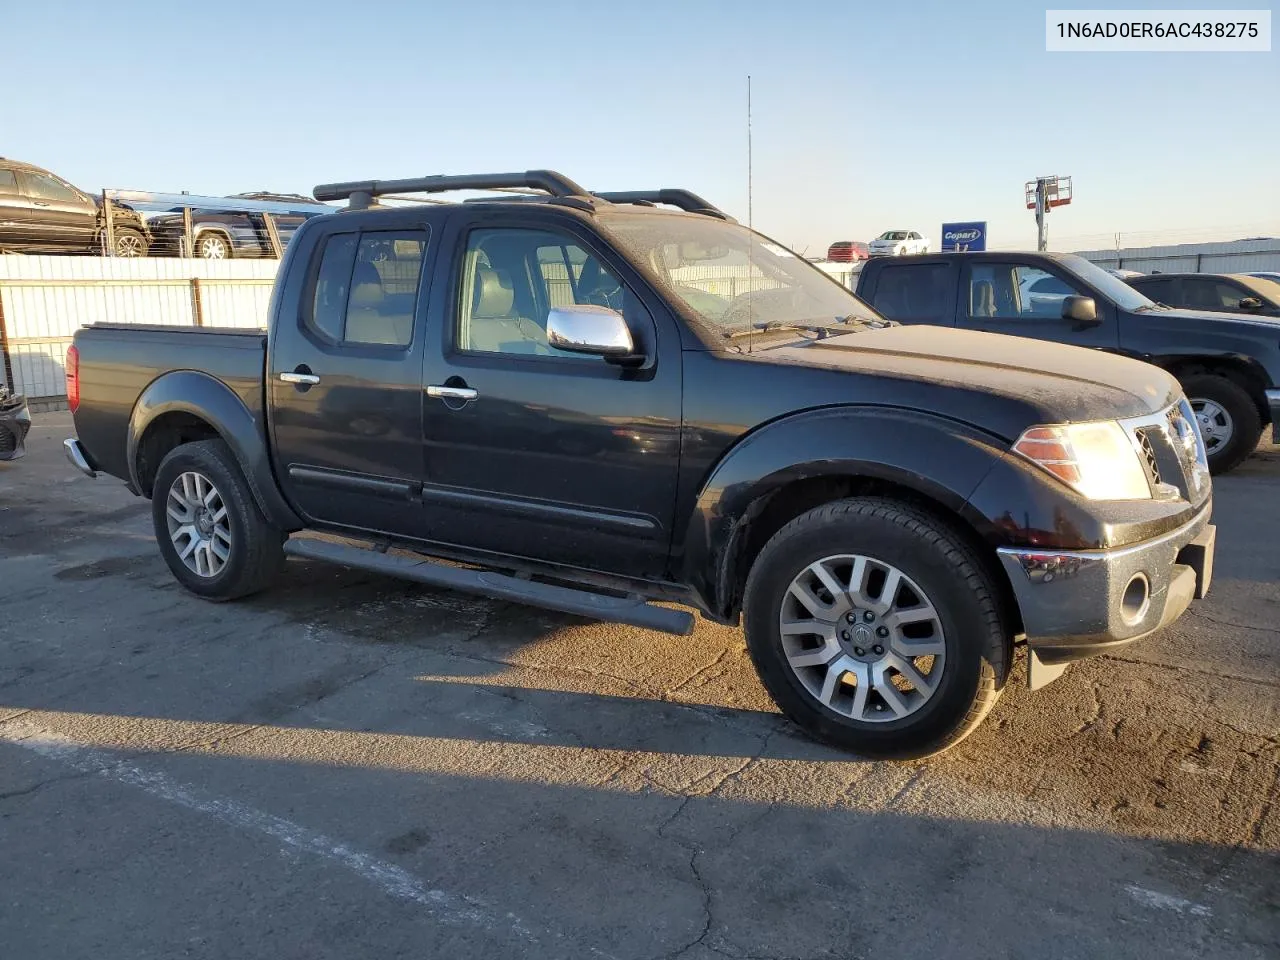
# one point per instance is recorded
(209, 527)
(876, 629)
(1228, 419)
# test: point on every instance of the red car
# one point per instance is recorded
(848, 251)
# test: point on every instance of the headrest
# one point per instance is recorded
(494, 295)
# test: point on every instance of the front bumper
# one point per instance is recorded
(1273, 401)
(15, 421)
(1077, 603)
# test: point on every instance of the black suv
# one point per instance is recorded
(42, 213)
(223, 234)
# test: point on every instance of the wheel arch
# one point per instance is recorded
(800, 462)
(186, 405)
(1244, 372)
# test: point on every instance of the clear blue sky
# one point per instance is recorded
(866, 115)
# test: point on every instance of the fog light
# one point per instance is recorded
(1136, 599)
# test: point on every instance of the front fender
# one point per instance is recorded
(938, 458)
(209, 399)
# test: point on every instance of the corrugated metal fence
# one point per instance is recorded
(1236, 256)
(44, 300)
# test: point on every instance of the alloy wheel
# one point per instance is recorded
(862, 638)
(199, 524)
(1216, 425)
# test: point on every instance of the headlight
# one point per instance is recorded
(1094, 459)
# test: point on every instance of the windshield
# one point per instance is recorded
(893, 235)
(731, 277)
(1113, 288)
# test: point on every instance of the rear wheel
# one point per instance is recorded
(1229, 421)
(213, 246)
(876, 629)
(210, 530)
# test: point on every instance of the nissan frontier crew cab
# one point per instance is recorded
(592, 402)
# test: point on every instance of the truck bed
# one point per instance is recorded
(119, 360)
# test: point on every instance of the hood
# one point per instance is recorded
(1201, 316)
(1001, 383)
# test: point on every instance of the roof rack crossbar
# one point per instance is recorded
(684, 199)
(361, 193)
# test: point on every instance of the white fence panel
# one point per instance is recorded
(44, 300)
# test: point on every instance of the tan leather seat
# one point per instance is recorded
(984, 299)
(494, 325)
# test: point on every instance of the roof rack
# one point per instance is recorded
(684, 199)
(361, 193)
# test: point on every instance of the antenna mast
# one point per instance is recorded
(750, 221)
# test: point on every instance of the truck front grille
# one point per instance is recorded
(8, 442)
(1172, 452)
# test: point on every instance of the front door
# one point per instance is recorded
(549, 455)
(345, 381)
(1026, 300)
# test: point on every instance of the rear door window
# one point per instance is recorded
(915, 292)
(366, 288)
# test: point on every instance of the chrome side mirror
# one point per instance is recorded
(586, 328)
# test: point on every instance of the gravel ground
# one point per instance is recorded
(352, 766)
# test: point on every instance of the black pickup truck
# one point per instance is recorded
(589, 402)
(1229, 365)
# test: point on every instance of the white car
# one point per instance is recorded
(898, 243)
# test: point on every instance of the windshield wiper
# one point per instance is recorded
(876, 323)
(769, 326)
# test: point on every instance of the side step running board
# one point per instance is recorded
(632, 610)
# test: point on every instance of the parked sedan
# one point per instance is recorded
(1223, 293)
(15, 421)
(898, 243)
(223, 234)
(42, 213)
(848, 251)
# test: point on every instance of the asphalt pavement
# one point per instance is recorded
(352, 766)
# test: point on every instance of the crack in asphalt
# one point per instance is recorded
(1230, 623)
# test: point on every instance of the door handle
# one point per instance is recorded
(307, 378)
(452, 393)
(39, 203)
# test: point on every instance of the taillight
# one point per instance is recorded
(73, 378)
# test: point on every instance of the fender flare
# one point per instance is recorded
(212, 401)
(940, 459)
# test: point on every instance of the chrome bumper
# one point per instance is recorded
(1077, 603)
(75, 453)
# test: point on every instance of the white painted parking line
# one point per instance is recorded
(394, 881)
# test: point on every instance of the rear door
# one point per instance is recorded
(558, 457)
(1025, 299)
(61, 214)
(914, 292)
(345, 377)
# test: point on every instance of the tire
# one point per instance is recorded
(937, 569)
(213, 246)
(232, 524)
(130, 243)
(1229, 419)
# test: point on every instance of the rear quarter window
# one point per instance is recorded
(915, 292)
